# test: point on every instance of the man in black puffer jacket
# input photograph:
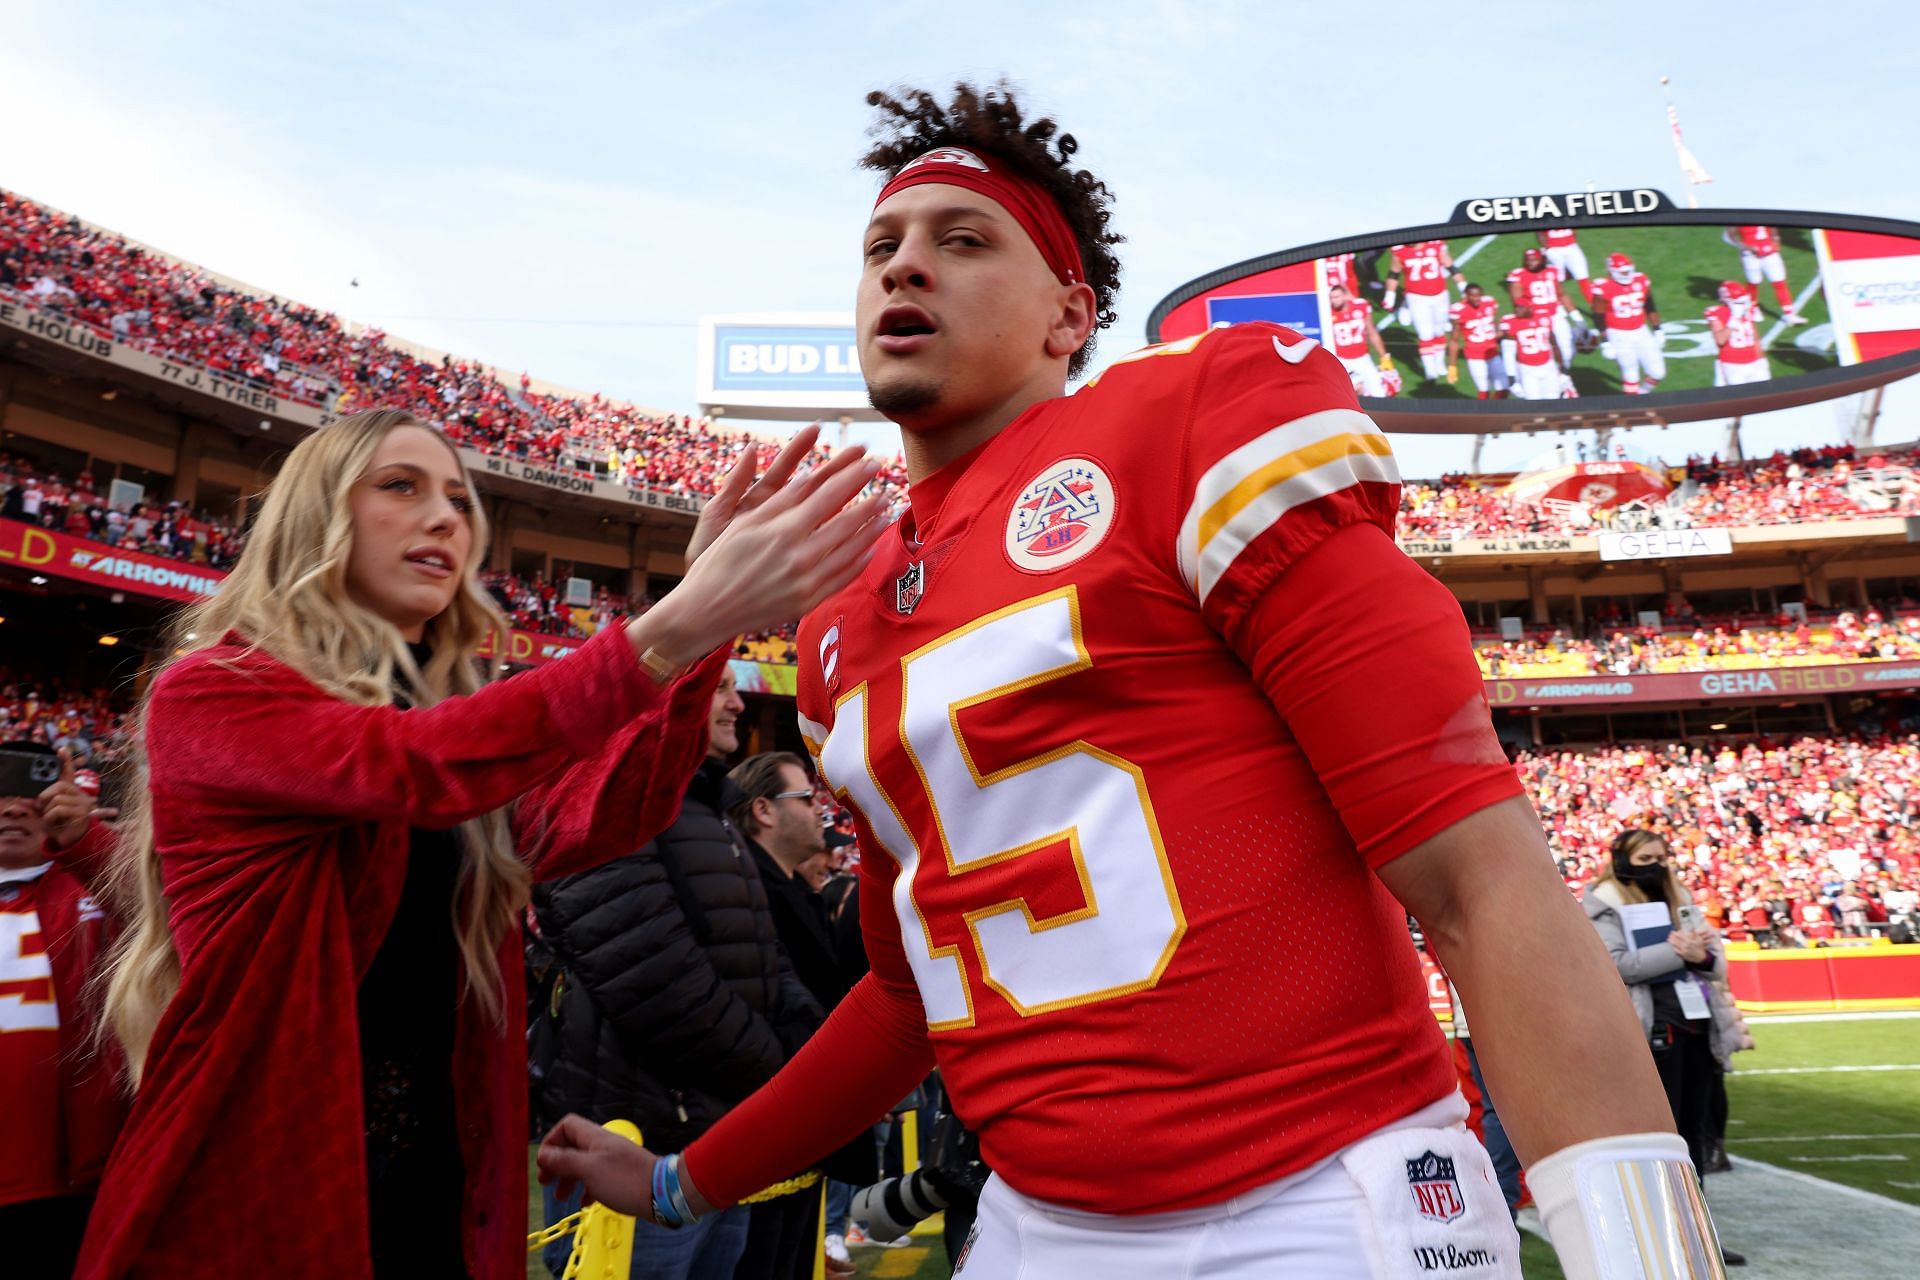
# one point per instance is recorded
(667, 999)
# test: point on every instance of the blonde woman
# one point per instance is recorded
(319, 993)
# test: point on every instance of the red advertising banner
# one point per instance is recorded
(1759, 682)
(61, 555)
(64, 556)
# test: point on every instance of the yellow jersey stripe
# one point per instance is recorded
(1283, 469)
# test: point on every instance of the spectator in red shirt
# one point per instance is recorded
(63, 1106)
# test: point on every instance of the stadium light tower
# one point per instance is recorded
(1864, 421)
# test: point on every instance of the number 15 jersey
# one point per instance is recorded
(1155, 964)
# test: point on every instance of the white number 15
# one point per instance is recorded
(1092, 801)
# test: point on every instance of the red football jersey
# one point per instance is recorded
(1760, 241)
(1479, 326)
(1339, 271)
(1559, 237)
(29, 1053)
(1532, 337)
(1420, 266)
(1743, 333)
(1142, 934)
(1623, 306)
(1349, 328)
(1538, 289)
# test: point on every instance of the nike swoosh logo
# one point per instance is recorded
(1295, 352)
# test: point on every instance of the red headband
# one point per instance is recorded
(1037, 212)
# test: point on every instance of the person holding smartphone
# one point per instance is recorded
(1668, 958)
(319, 991)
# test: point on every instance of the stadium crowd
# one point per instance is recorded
(152, 303)
(88, 722)
(1807, 485)
(1789, 842)
(74, 505)
(1849, 636)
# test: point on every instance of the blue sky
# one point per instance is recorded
(568, 190)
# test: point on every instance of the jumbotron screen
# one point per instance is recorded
(1663, 313)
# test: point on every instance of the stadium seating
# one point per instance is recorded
(1848, 636)
(172, 309)
(1761, 829)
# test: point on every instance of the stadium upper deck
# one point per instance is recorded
(124, 364)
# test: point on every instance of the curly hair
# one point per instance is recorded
(913, 122)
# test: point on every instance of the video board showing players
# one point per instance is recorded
(1565, 313)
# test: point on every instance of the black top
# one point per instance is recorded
(677, 1000)
(806, 930)
(407, 1005)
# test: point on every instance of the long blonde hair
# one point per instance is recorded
(288, 598)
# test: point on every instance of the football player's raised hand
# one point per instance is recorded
(610, 1170)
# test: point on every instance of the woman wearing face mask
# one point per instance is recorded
(318, 990)
(1689, 1025)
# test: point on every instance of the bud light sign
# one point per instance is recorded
(781, 366)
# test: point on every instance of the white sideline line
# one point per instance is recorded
(1838, 1188)
(1853, 1159)
(1774, 1019)
(1832, 1137)
(1466, 254)
(1819, 1071)
(1766, 343)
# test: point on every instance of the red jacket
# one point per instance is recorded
(281, 815)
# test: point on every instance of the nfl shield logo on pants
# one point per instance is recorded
(1436, 1192)
(906, 590)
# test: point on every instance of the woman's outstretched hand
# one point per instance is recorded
(768, 550)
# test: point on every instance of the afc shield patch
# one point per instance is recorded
(1435, 1190)
(1060, 516)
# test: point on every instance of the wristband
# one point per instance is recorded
(663, 1210)
(675, 1195)
(662, 671)
(1622, 1207)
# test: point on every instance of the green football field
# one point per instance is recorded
(1817, 1109)
(1686, 266)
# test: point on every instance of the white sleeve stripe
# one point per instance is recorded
(811, 730)
(1263, 512)
(1225, 475)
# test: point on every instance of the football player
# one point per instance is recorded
(1760, 258)
(1528, 348)
(1735, 323)
(1421, 271)
(1562, 247)
(1350, 323)
(1153, 736)
(1338, 271)
(1538, 285)
(1625, 312)
(1476, 331)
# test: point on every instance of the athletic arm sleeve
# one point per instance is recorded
(1368, 660)
(871, 1052)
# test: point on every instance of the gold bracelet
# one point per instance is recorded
(663, 671)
